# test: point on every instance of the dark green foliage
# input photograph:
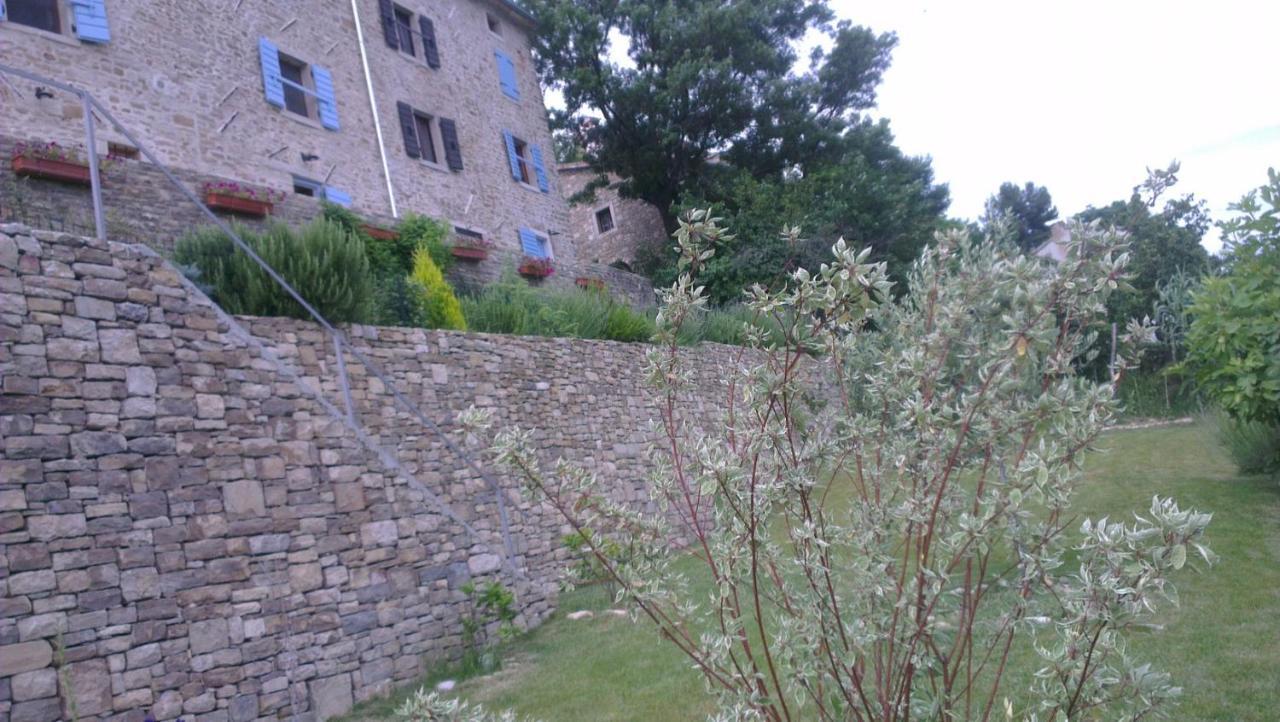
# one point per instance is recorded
(727, 325)
(416, 231)
(867, 191)
(1233, 344)
(1254, 446)
(490, 604)
(512, 307)
(1028, 208)
(322, 261)
(1161, 244)
(1157, 395)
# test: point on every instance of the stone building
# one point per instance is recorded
(609, 229)
(422, 106)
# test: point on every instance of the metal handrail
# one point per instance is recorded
(339, 339)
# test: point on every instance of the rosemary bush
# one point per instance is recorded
(878, 550)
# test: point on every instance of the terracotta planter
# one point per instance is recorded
(59, 170)
(236, 204)
(535, 270)
(384, 234)
(593, 283)
(469, 253)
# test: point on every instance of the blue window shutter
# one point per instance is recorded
(4, 12)
(531, 244)
(324, 96)
(538, 169)
(91, 20)
(333, 195)
(511, 154)
(271, 82)
(507, 75)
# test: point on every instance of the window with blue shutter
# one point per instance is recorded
(430, 50)
(507, 75)
(328, 105)
(272, 83)
(533, 245)
(333, 195)
(512, 158)
(538, 169)
(4, 12)
(91, 20)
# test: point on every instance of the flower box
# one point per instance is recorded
(536, 267)
(590, 283)
(469, 253)
(237, 204)
(383, 234)
(59, 170)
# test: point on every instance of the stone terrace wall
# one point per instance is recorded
(183, 516)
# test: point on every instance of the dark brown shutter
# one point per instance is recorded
(429, 49)
(452, 151)
(408, 130)
(387, 12)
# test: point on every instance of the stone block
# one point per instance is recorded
(140, 381)
(25, 657)
(331, 696)
(36, 684)
(305, 577)
(379, 533)
(98, 443)
(208, 636)
(243, 499)
(89, 684)
(210, 406)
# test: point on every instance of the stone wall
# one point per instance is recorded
(189, 525)
(143, 206)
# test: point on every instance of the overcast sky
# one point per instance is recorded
(1082, 96)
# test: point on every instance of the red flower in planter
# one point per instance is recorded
(536, 267)
(237, 198)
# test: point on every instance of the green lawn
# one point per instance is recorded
(1222, 645)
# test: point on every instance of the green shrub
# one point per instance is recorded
(440, 308)
(416, 232)
(1254, 446)
(1157, 395)
(727, 325)
(513, 307)
(322, 261)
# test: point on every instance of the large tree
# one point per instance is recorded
(1163, 240)
(704, 78)
(1028, 207)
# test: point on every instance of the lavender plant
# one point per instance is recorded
(883, 514)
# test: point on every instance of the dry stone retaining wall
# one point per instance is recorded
(188, 529)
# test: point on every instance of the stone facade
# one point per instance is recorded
(189, 83)
(191, 526)
(636, 224)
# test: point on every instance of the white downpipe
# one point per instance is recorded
(373, 108)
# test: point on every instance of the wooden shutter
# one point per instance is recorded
(531, 245)
(512, 158)
(539, 170)
(429, 49)
(325, 100)
(408, 130)
(91, 20)
(272, 84)
(4, 12)
(507, 75)
(387, 13)
(452, 150)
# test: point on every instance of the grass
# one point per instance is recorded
(1220, 645)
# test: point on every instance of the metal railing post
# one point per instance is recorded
(95, 176)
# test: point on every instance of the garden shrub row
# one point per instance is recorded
(351, 276)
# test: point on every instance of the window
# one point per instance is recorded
(495, 26)
(39, 14)
(426, 136)
(295, 88)
(604, 220)
(120, 150)
(307, 187)
(522, 160)
(534, 244)
(404, 29)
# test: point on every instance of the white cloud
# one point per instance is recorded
(1081, 97)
